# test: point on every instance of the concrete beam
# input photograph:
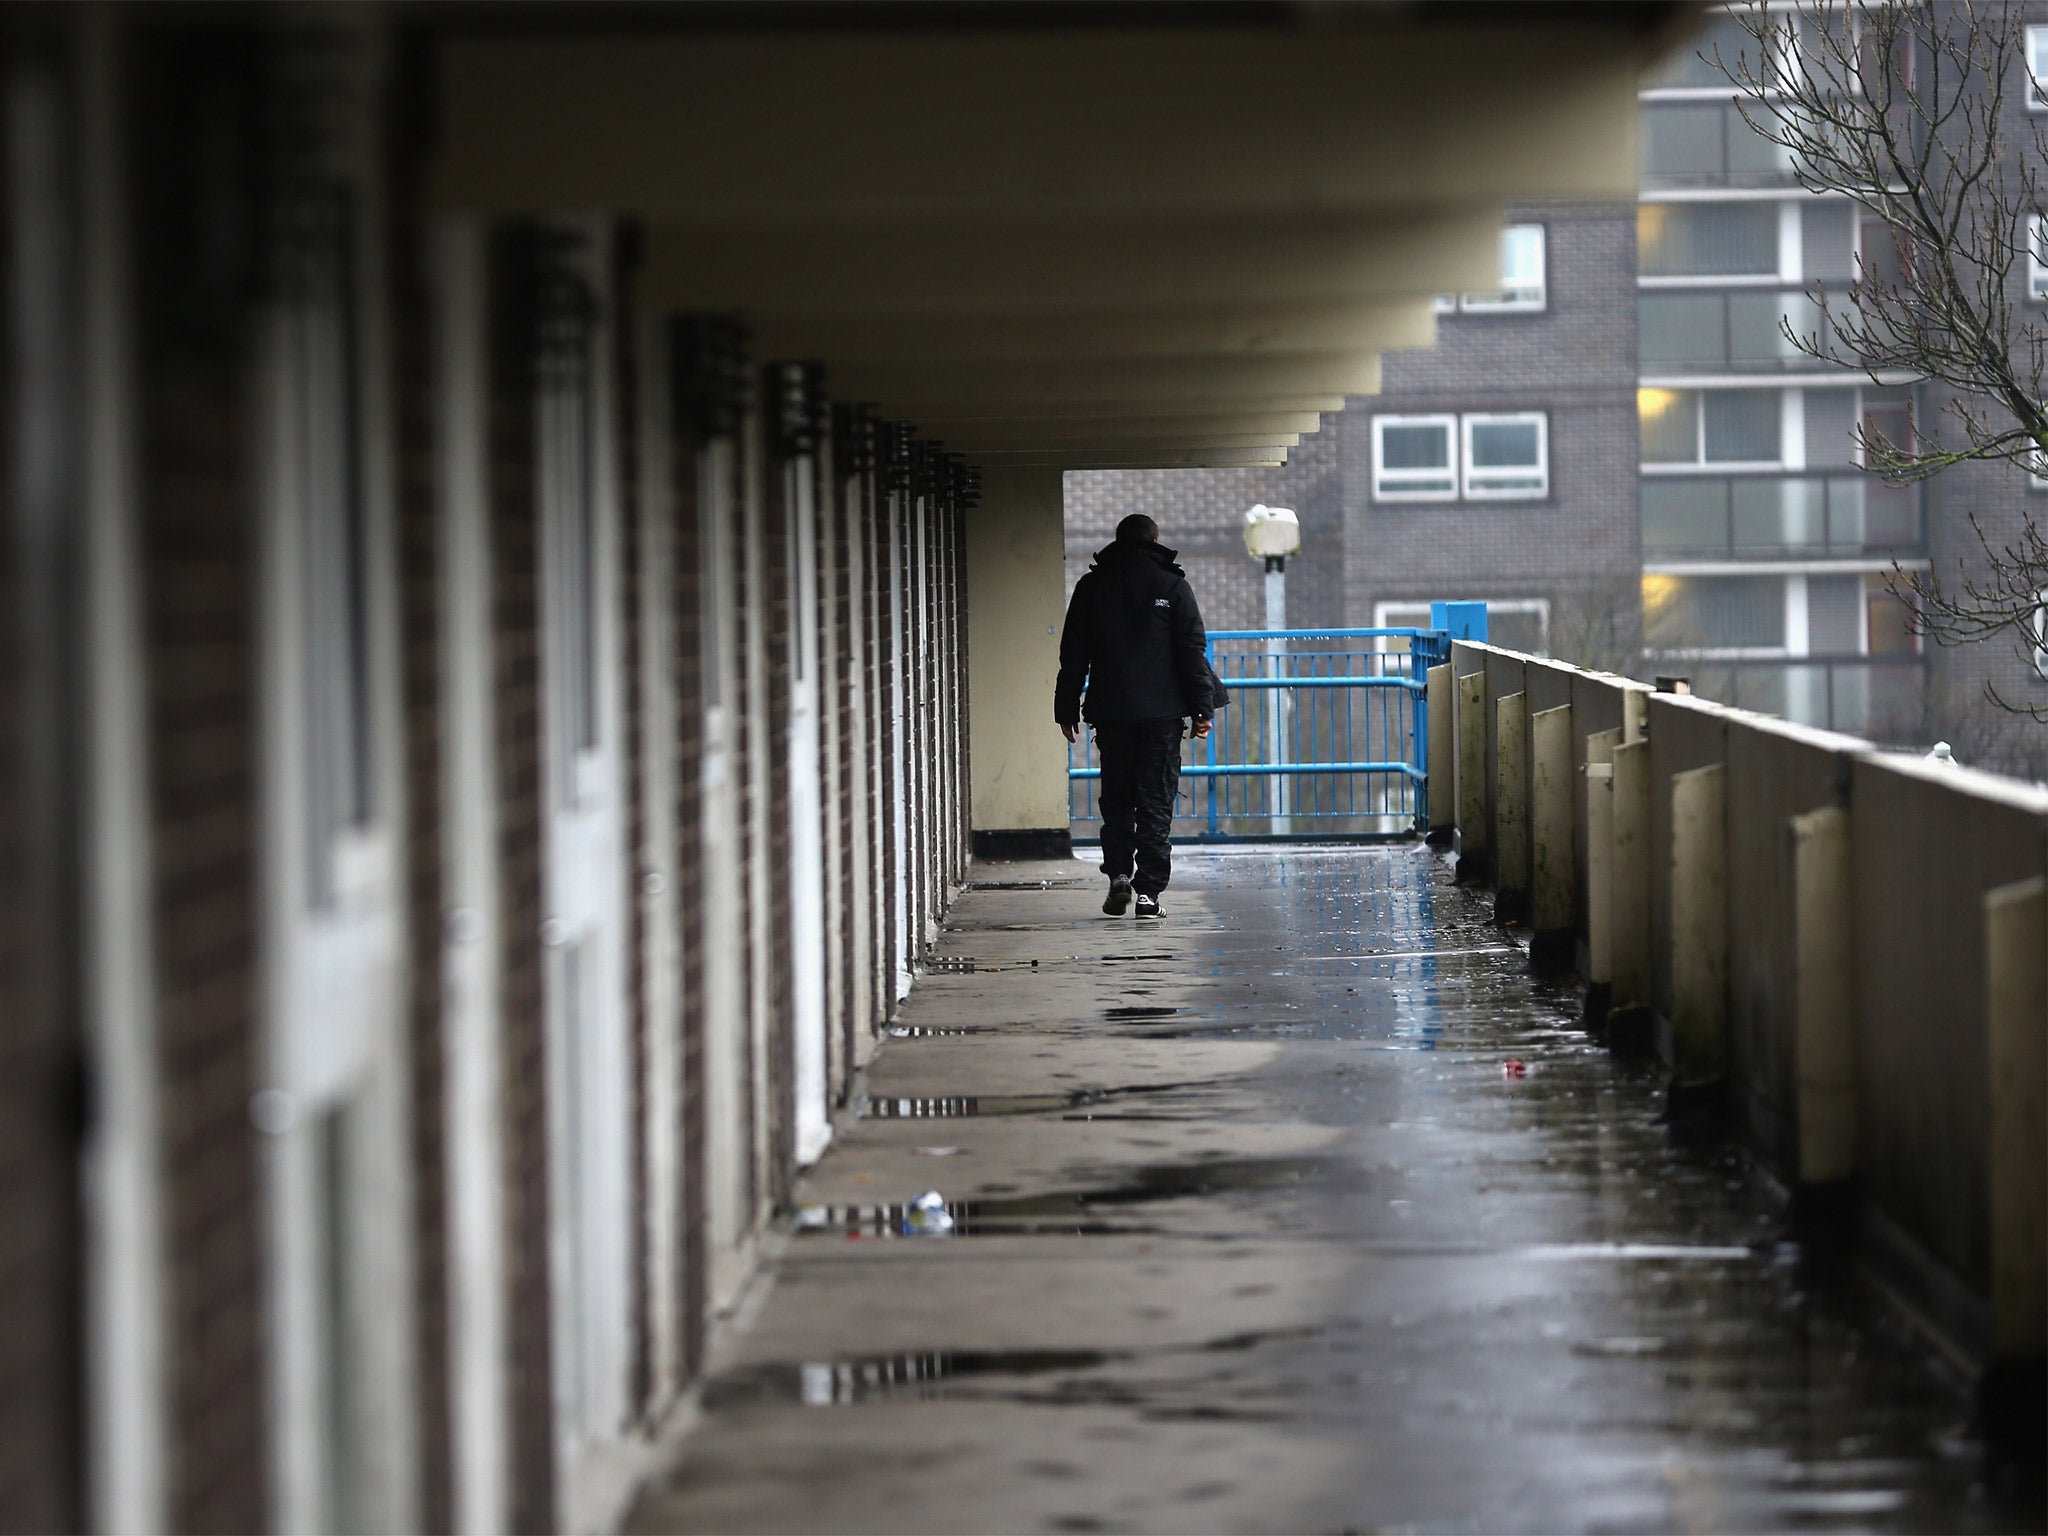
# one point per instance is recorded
(1380, 324)
(1471, 724)
(998, 269)
(1629, 875)
(1824, 995)
(1553, 866)
(1511, 807)
(1134, 443)
(1443, 789)
(807, 128)
(1699, 926)
(923, 411)
(1195, 424)
(1170, 458)
(1091, 380)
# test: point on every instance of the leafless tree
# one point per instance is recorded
(1902, 107)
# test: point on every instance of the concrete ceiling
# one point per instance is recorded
(1078, 242)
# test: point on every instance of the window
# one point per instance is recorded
(2037, 68)
(1517, 623)
(1697, 64)
(2037, 257)
(1412, 458)
(1714, 613)
(1711, 426)
(2040, 657)
(1485, 457)
(1507, 457)
(1522, 280)
(1707, 239)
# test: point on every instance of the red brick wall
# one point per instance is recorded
(625, 427)
(40, 1393)
(517, 696)
(194, 120)
(418, 512)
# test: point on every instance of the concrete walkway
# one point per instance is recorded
(1259, 1228)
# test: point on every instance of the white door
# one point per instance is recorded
(806, 797)
(333, 1099)
(728, 1107)
(584, 884)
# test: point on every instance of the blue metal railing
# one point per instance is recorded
(1327, 735)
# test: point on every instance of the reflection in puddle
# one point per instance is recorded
(962, 1106)
(1068, 1213)
(932, 1375)
(916, 1377)
(1140, 1013)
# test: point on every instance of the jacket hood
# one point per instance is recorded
(1118, 552)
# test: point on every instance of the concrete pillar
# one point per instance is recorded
(1472, 829)
(1600, 747)
(1511, 807)
(1443, 797)
(1016, 597)
(1553, 851)
(1629, 880)
(2016, 993)
(1823, 996)
(1699, 926)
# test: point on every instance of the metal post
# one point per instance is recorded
(1280, 708)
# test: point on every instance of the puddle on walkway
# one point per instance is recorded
(1068, 1213)
(959, 1107)
(937, 1375)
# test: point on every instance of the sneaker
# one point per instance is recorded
(1118, 898)
(1148, 906)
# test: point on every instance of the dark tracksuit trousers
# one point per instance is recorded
(1140, 781)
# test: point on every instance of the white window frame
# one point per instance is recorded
(1382, 491)
(1515, 300)
(1790, 430)
(1479, 490)
(2037, 258)
(2034, 57)
(2040, 628)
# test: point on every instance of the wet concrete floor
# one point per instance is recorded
(1305, 1208)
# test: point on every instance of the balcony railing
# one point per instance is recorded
(1706, 143)
(1845, 515)
(1739, 330)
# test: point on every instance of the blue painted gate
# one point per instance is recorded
(1326, 736)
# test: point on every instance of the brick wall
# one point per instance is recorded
(194, 120)
(40, 1388)
(418, 543)
(517, 699)
(624, 425)
(1578, 547)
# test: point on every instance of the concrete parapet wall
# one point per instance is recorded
(1879, 908)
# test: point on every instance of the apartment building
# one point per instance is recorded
(1494, 464)
(1768, 551)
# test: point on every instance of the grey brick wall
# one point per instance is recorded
(1578, 548)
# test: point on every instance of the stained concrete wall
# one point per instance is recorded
(1775, 771)
(1928, 845)
(1016, 595)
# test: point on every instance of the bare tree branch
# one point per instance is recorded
(1901, 107)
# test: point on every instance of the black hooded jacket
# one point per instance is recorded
(1135, 636)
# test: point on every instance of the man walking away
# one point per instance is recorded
(1135, 636)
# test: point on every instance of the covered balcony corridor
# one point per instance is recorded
(1309, 1207)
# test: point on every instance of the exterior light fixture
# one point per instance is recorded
(1272, 534)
